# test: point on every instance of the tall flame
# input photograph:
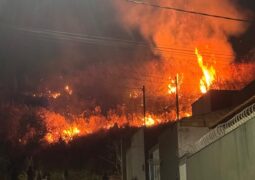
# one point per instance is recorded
(208, 73)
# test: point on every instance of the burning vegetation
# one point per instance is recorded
(76, 98)
(61, 128)
(67, 126)
(78, 77)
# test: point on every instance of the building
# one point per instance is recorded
(227, 151)
(174, 151)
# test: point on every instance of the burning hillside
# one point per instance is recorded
(61, 128)
(66, 126)
(88, 83)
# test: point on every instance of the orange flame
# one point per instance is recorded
(60, 127)
(171, 87)
(208, 73)
(149, 121)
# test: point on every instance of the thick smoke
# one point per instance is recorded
(175, 35)
(184, 30)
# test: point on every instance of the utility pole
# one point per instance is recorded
(144, 105)
(177, 98)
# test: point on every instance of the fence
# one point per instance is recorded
(224, 128)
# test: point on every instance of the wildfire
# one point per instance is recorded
(63, 128)
(208, 73)
(66, 135)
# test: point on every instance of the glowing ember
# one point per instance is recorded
(208, 73)
(135, 94)
(68, 90)
(55, 95)
(187, 114)
(49, 138)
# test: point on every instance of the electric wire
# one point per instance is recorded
(190, 12)
(112, 41)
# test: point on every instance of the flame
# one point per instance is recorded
(171, 87)
(66, 134)
(69, 133)
(187, 114)
(59, 127)
(208, 73)
(49, 138)
(149, 121)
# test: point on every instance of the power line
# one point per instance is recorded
(182, 52)
(126, 41)
(190, 12)
(62, 35)
(113, 41)
(132, 42)
(106, 41)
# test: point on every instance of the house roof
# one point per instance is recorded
(234, 111)
(237, 102)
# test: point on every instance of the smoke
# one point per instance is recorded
(175, 35)
(105, 51)
(182, 30)
(36, 63)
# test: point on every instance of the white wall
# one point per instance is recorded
(135, 157)
(187, 136)
(183, 171)
(229, 158)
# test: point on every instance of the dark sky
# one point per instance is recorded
(26, 58)
(244, 44)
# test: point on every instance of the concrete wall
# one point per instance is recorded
(183, 171)
(168, 153)
(154, 164)
(187, 136)
(135, 157)
(212, 101)
(230, 158)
